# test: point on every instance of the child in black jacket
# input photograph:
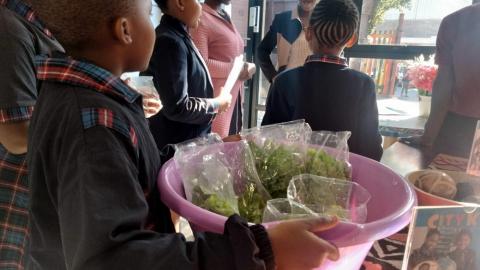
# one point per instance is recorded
(325, 91)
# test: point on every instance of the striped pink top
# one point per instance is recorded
(219, 42)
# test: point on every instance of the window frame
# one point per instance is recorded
(388, 52)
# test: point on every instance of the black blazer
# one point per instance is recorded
(183, 83)
(289, 28)
(329, 97)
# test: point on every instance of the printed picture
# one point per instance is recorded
(444, 238)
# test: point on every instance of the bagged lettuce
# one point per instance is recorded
(327, 196)
(328, 155)
(285, 209)
(221, 177)
(279, 153)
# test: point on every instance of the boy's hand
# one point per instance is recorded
(296, 247)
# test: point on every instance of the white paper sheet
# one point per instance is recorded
(234, 73)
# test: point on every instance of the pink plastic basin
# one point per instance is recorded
(389, 210)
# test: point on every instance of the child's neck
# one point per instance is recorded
(106, 60)
(177, 16)
(303, 14)
(329, 51)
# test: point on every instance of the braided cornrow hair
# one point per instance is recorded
(334, 22)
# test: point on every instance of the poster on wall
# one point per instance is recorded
(444, 238)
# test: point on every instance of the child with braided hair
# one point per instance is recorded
(325, 91)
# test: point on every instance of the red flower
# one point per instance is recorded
(422, 76)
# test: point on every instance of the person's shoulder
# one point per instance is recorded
(466, 12)
(168, 39)
(359, 77)
(283, 16)
(289, 76)
(13, 27)
(66, 101)
(471, 9)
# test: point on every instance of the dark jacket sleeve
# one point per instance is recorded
(368, 132)
(102, 209)
(17, 73)
(265, 48)
(169, 68)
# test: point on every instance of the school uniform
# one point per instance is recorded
(329, 96)
(182, 80)
(94, 198)
(22, 36)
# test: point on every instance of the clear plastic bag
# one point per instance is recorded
(279, 152)
(328, 155)
(221, 177)
(285, 209)
(327, 196)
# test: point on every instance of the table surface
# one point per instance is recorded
(388, 253)
(399, 117)
(403, 159)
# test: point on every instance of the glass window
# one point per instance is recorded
(405, 22)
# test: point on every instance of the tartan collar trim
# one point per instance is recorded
(84, 74)
(27, 13)
(330, 59)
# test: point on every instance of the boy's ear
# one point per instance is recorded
(123, 30)
(179, 4)
(353, 40)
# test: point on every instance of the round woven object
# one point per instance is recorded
(437, 183)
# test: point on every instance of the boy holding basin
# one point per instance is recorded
(94, 164)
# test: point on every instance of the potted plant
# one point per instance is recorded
(421, 76)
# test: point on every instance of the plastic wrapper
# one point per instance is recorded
(221, 177)
(327, 196)
(285, 209)
(328, 155)
(279, 152)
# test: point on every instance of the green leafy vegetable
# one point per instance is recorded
(320, 163)
(212, 202)
(276, 165)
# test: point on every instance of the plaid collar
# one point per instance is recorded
(26, 12)
(324, 58)
(84, 74)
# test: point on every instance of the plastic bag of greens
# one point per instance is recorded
(206, 177)
(285, 209)
(279, 152)
(327, 196)
(221, 177)
(328, 155)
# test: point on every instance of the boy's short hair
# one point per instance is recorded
(334, 22)
(162, 4)
(74, 22)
